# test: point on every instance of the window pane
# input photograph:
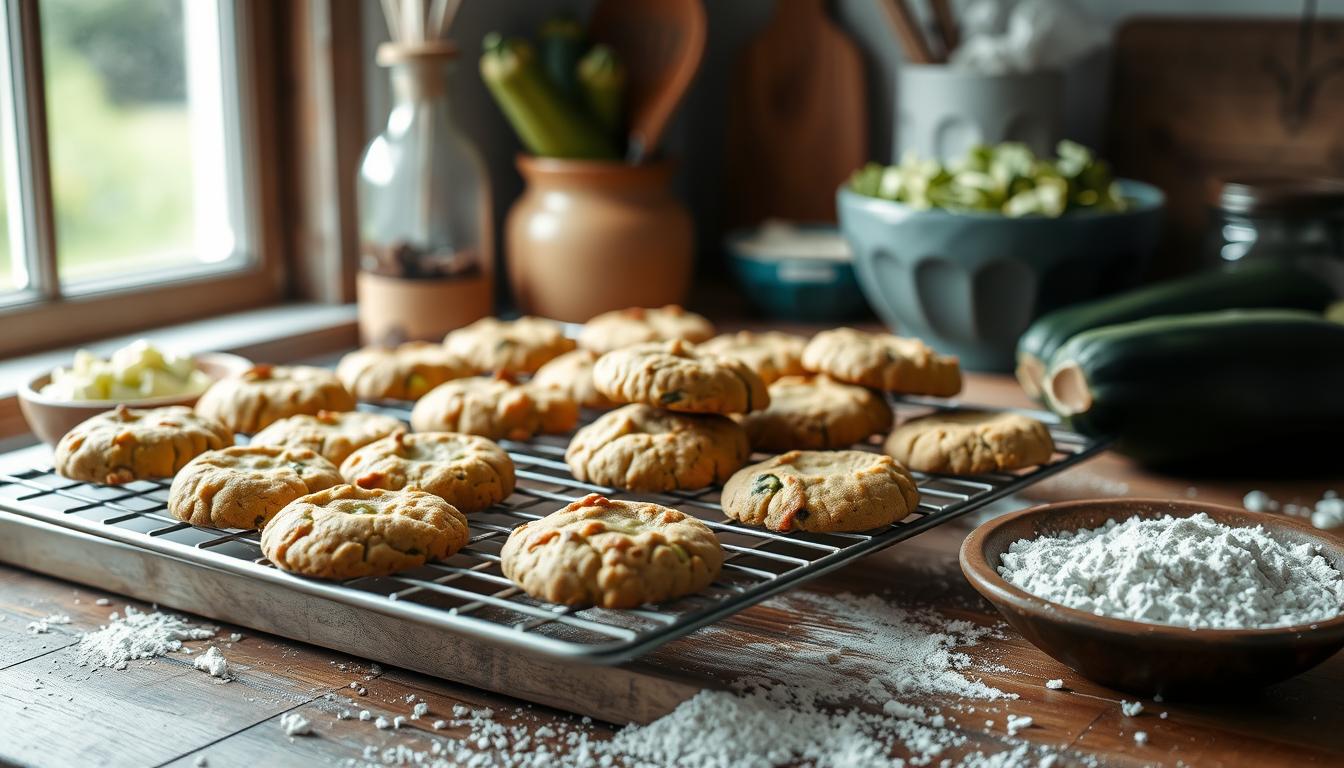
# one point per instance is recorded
(11, 274)
(136, 123)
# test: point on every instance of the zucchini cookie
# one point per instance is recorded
(509, 346)
(334, 435)
(572, 373)
(623, 327)
(467, 471)
(267, 393)
(126, 444)
(346, 532)
(772, 355)
(971, 443)
(496, 408)
(816, 412)
(882, 361)
(613, 554)
(405, 372)
(677, 376)
(243, 486)
(821, 491)
(639, 448)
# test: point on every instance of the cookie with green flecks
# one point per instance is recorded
(243, 486)
(405, 372)
(509, 346)
(347, 532)
(614, 554)
(677, 376)
(468, 471)
(821, 491)
(640, 448)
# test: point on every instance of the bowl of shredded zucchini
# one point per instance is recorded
(966, 254)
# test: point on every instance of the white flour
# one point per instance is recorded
(213, 663)
(137, 636)
(1190, 571)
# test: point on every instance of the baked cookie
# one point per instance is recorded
(496, 408)
(405, 372)
(821, 491)
(572, 373)
(346, 532)
(613, 554)
(127, 444)
(243, 486)
(816, 412)
(675, 375)
(509, 346)
(882, 361)
(334, 435)
(772, 355)
(267, 393)
(639, 448)
(468, 471)
(971, 443)
(623, 327)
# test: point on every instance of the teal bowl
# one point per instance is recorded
(817, 289)
(970, 283)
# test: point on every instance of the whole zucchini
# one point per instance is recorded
(1240, 388)
(1252, 286)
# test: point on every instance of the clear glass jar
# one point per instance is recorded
(1296, 220)
(424, 195)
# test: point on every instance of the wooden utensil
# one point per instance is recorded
(660, 42)
(906, 27)
(799, 124)
(1150, 658)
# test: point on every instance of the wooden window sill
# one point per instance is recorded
(273, 334)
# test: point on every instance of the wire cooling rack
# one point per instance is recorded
(468, 594)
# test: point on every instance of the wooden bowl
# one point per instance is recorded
(51, 418)
(1147, 658)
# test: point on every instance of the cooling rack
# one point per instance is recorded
(467, 594)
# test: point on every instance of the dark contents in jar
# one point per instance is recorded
(410, 262)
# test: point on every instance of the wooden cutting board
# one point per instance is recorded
(1196, 100)
(798, 122)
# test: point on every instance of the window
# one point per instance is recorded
(125, 147)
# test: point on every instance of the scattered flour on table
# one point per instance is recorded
(213, 663)
(854, 688)
(137, 635)
(1326, 513)
(1189, 571)
(43, 626)
(294, 724)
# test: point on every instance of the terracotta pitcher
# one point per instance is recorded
(587, 237)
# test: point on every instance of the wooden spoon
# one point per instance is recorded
(660, 42)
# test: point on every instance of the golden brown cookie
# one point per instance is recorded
(572, 373)
(639, 448)
(623, 327)
(127, 444)
(677, 376)
(346, 532)
(882, 361)
(613, 554)
(243, 486)
(403, 373)
(467, 471)
(333, 435)
(810, 412)
(771, 354)
(496, 408)
(971, 443)
(509, 346)
(821, 491)
(267, 393)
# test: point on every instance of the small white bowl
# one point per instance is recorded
(50, 418)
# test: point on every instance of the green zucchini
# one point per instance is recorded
(602, 79)
(1251, 286)
(547, 124)
(1231, 389)
(560, 44)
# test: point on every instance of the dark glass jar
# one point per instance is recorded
(1296, 220)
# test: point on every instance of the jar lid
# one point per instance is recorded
(1279, 195)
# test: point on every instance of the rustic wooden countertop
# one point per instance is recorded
(56, 713)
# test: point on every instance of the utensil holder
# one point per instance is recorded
(942, 111)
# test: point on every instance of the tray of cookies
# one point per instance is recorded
(588, 503)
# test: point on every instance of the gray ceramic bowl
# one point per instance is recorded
(970, 283)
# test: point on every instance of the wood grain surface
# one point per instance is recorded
(56, 713)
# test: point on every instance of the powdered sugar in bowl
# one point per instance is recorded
(1158, 606)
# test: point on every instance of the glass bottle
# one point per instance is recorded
(1300, 221)
(425, 223)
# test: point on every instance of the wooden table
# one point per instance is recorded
(56, 713)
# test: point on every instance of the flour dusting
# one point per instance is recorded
(137, 635)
